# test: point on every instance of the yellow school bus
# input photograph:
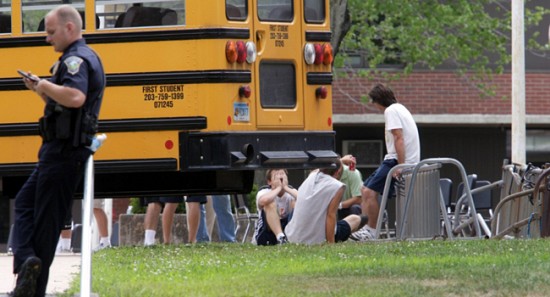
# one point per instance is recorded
(199, 93)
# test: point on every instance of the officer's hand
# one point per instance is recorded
(31, 83)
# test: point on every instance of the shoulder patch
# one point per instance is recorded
(73, 64)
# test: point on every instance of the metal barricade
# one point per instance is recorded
(518, 213)
(423, 210)
(417, 211)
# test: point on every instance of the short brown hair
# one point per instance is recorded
(269, 172)
(333, 169)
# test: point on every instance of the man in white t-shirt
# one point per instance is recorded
(274, 202)
(402, 146)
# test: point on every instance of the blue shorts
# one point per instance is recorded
(377, 180)
(200, 199)
(343, 231)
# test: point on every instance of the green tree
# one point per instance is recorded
(471, 35)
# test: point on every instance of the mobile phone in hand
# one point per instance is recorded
(27, 76)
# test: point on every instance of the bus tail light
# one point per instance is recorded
(327, 54)
(321, 92)
(244, 92)
(241, 52)
(319, 54)
(251, 52)
(231, 52)
(309, 53)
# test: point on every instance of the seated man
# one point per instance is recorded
(274, 203)
(351, 200)
(314, 218)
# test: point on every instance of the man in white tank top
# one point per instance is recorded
(314, 219)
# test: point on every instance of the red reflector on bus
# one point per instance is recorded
(231, 52)
(244, 91)
(169, 144)
(321, 92)
(329, 121)
(229, 120)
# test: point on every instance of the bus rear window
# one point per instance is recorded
(275, 10)
(236, 10)
(314, 11)
(277, 85)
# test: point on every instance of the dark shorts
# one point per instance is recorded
(163, 200)
(377, 180)
(344, 212)
(265, 234)
(200, 199)
(343, 231)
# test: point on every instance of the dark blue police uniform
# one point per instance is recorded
(44, 201)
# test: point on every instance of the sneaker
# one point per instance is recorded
(102, 246)
(27, 277)
(282, 239)
(363, 234)
(63, 251)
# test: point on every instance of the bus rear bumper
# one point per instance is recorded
(256, 150)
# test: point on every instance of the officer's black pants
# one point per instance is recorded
(43, 203)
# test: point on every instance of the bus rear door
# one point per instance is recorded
(277, 30)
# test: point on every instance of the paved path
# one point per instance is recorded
(63, 270)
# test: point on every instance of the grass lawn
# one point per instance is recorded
(412, 268)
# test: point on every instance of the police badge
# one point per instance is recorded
(73, 64)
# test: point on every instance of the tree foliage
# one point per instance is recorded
(471, 36)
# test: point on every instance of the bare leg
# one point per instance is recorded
(355, 222)
(66, 233)
(151, 222)
(167, 220)
(272, 216)
(369, 205)
(210, 216)
(101, 219)
(152, 216)
(193, 217)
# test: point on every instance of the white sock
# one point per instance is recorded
(280, 235)
(65, 243)
(106, 241)
(149, 237)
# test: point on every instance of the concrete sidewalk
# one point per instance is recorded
(63, 270)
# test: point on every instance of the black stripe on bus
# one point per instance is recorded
(136, 165)
(180, 77)
(125, 125)
(103, 166)
(132, 125)
(319, 78)
(155, 78)
(318, 36)
(141, 36)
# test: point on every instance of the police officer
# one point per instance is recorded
(73, 97)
